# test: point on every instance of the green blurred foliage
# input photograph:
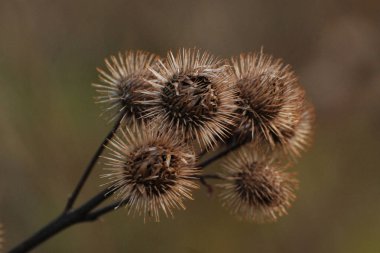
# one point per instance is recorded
(49, 126)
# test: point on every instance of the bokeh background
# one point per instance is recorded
(50, 127)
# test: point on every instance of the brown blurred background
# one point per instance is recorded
(50, 127)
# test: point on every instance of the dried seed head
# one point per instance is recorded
(120, 86)
(193, 96)
(256, 190)
(299, 137)
(152, 171)
(270, 99)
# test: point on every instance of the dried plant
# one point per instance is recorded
(256, 188)
(270, 99)
(301, 136)
(121, 86)
(151, 171)
(164, 110)
(192, 96)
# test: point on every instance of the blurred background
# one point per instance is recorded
(50, 127)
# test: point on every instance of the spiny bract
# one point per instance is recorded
(120, 87)
(256, 189)
(300, 138)
(270, 99)
(152, 171)
(193, 96)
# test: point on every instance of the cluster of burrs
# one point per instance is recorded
(177, 111)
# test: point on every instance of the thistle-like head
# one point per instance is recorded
(193, 96)
(270, 99)
(152, 171)
(121, 85)
(256, 189)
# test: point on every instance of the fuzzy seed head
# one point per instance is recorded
(299, 137)
(256, 190)
(121, 85)
(193, 96)
(152, 172)
(270, 99)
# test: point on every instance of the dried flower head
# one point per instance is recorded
(299, 137)
(152, 171)
(257, 190)
(270, 99)
(193, 96)
(120, 86)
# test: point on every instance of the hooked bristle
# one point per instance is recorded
(299, 138)
(121, 86)
(193, 97)
(256, 189)
(270, 99)
(152, 171)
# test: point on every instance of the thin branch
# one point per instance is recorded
(62, 222)
(95, 201)
(115, 205)
(211, 176)
(208, 186)
(102, 211)
(219, 154)
(90, 166)
(85, 212)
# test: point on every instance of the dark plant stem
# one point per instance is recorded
(208, 186)
(220, 154)
(63, 221)
(87, 212)
(90, 166)
(102, 211)
(115, 205)
(211, 176)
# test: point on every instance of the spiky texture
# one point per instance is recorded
(153, 171)
(270, 100)
(120, 86)
(192, 96)
(299, 137)
(255, 189)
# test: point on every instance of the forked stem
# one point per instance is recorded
(90, 166)
(62, 222)
(87, 212)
